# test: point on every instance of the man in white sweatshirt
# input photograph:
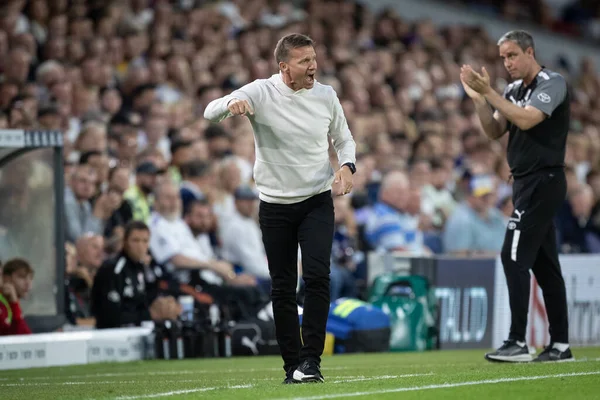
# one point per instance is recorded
(293, 116)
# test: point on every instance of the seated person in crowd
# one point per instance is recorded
(89, 253)
(118, 182)
(343, 264)
(81, 216)
(139, 195)
(476, 227)
(197, 181)
(119, 297)
(241, 238)
(17, 276)
(172, 241)
(578, 223)
(390, 226)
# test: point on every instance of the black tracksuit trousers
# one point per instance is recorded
(530, 244)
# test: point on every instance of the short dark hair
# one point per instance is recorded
(134, 226)
(189, 207)
(179, 144)
(15, 265)
(522, 38)
(195, 169)
(289, 42)
(85, 157)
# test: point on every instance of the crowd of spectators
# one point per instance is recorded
(577, 18)
(127, 82)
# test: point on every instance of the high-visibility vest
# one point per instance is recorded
(8, 309)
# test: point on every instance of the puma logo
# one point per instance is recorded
(518, 218)
(246, 342)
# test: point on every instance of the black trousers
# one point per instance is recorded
(284, 226)
(530, 244)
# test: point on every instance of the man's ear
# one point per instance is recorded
(283, 66)
(530, 51)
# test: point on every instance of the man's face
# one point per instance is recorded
(168, 202)
(146, 182)
(301, 67)
(516, 61)
(84, 184)
(21, 280)
(136, 245)
(200, 219)
(91, 251)
(246, 207)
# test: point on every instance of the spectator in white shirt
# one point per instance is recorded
(173, 241)
(201, 220)
(241, 237)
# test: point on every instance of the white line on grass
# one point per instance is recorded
(376, 378)
(444, 386)
(176, 392)
(162, 373)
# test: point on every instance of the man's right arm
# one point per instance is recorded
(217, 110)
(494, 124)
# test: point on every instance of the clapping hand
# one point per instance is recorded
(473, 82)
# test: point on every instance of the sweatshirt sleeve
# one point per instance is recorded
(340, 134)
(217, 111)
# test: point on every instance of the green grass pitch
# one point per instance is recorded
(460, 374)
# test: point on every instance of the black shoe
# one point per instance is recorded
(308, 371)
(552, 354)
(289, 377)
(510, 351)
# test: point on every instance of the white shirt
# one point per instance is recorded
(242, 244)
(291, 131)
(170, 238)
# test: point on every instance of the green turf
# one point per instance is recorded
(461, 375)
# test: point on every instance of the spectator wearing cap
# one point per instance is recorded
(197, 182)
(476, 227)
(140, 194)
(241, 238)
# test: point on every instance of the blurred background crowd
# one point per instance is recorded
(126, 82)
(578, 18)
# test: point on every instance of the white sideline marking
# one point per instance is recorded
(376, 378)
(160, 373)
(444, 386)
(70, 383)
(176, 392)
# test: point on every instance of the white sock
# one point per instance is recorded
(561, 346)
(522, 344)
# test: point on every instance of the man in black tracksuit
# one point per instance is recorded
(120, 296)
(535, 111)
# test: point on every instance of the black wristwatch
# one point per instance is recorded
(351, 166)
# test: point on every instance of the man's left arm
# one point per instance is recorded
(340, 134)
(544, 99)
(345, 148)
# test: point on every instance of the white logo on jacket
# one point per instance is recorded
(544, 97)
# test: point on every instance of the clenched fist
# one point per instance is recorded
(239, 107)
